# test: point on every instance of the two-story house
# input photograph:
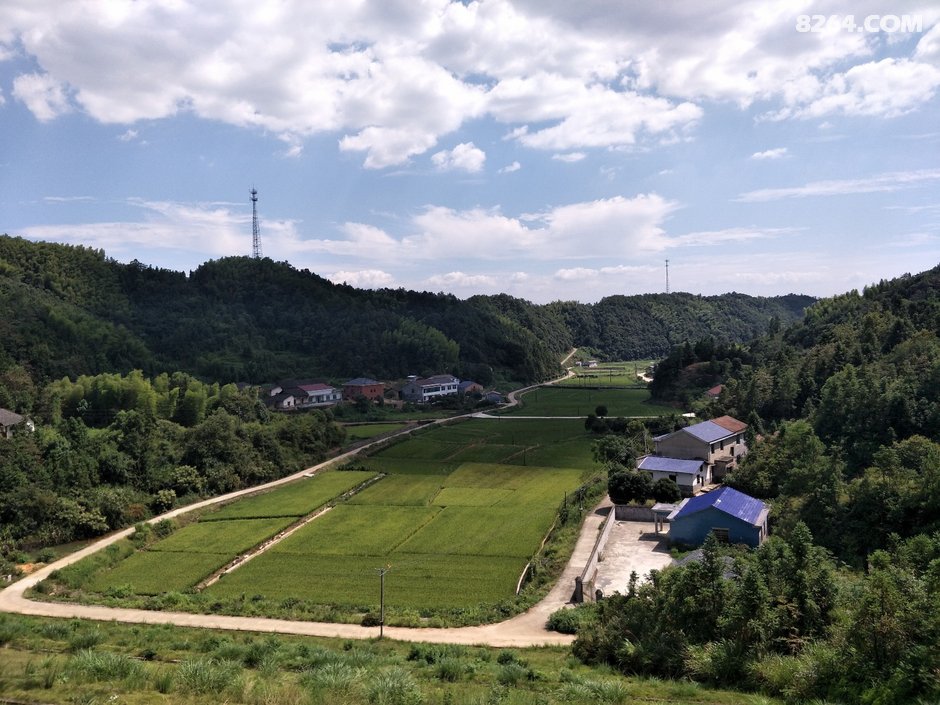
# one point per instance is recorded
(697, 455)
(428, 388)
(370, 389)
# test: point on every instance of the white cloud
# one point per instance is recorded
(460, 280)
(363, 278)
(886, 88)
(717, 237)
(509, 168)
(890, 181)
(390, 80)
(45, 97)
(611, 226)
(464, 157)
(570, 157)
(776, 153)
(128, 136)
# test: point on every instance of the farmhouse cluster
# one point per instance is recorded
(306, 394)
(695, 458)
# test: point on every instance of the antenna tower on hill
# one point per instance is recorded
(255, 227)
(667, 276)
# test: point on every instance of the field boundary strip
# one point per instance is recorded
(241, 560)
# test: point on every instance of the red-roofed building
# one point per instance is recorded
(715, 391)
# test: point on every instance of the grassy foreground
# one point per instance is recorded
(76, 661)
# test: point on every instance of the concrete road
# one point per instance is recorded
(632, 546)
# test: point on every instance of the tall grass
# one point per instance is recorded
(202, 676)
(99, 666)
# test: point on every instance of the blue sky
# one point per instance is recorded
(547, 149)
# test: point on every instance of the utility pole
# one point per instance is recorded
(382, 572)
(255, 226)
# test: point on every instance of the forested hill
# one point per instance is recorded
(68, 310)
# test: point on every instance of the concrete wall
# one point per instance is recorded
(584, 584)
(626, 512)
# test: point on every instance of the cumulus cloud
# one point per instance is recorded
(363, 278)
(776, 153)
(464, 157)
(390, 81)
(45, 97)
(461, 280)
(509, 168)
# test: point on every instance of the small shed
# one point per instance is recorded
(731, 515)
(689, 475)
(9, 419)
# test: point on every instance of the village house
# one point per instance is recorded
(370, 389)
(716, 445)
(469, 387)
(421, 390)
(316, 394)
(731, 516)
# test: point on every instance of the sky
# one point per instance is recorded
(549, 149)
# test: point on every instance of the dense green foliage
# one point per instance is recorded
(844, 429)
(71, 310)
(116, 449)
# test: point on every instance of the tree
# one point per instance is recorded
(666, 490)
(629, 486)
(601, 410)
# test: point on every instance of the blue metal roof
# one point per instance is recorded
(674, 465)
(708, 431)
(727, 500)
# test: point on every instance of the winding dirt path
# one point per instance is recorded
(526, 629)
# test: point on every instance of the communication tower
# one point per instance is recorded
(667, 276)
(255, 227)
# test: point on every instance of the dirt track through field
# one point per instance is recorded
(527, 629)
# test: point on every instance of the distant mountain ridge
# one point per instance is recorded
(69, 310)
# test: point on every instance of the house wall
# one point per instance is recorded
(687, 483)
(682, 445)
(685, 446)
(411, 392)
(693, 529)
(369, 391)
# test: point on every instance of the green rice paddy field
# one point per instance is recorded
(460, 511)
(574, 401)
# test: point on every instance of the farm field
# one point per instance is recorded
(358, 432)
(608, 374)
(296, 499)
(559, 401)
(459, 512)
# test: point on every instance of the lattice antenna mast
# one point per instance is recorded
(667, 276)
(255, 226)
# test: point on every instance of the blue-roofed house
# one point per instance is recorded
(687, 474)
(719, 442)
(731, 515)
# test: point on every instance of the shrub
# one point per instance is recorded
(665, 490)
(625, 486)
(394, 686)
(569, 621)
(514, 673)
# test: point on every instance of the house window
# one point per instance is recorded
(722, 535)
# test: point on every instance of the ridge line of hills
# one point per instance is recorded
(70, 310)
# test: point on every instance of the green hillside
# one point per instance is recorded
(68, 310)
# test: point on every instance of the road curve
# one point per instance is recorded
(526, 629)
